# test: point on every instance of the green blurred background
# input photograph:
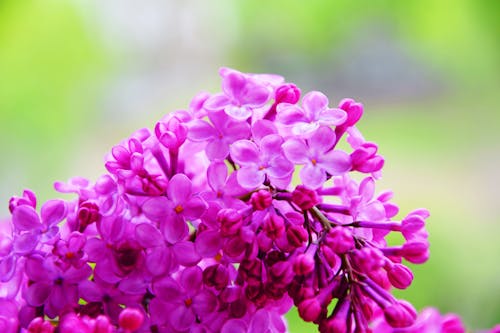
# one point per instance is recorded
(77, 76)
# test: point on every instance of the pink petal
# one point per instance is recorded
(244, 152)
(148, 235)
(159, 261)
(37, 293)
(186, 254)
(104, 270)
(7, 268)
(174, 229)
(181, 318)
(312, 176)
(26, 242)
(279, 167)
(191, 279)
(322, 140)
(179, 188)
(240, 113)
(336, 162)
(204, 302)
(305, 130)
(233, 84)
(217, 149)
(167, 289)
(217, 175)
(194, 208)
(250, 177)
(216, 102)
(367, 188)
(262, 128)
(314, 102)
(332, 117)
(156, 209)
(53, 211)
(35, 269)
(200, 130)
(90, 291)
(290, 114)
(75, 275)
(270, 145)
(95, 248)
(208, 243)
(25, 217)
(255, 94)
(235, 130)
(234, 326)
(296, 151)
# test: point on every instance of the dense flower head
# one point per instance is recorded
(220, 219)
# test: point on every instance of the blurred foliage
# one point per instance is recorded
(46, 61)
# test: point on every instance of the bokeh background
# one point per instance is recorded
(77, 76)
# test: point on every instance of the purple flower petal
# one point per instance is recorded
(234, 326)
(156, 209)
(217, 149)
(250, 177)
(167, 289)
(90, 291)
(208, 243)
(7, 268)
(185, 253)
(26, 242)
(233, 84)
(194, 208)
(148, 235)
(181, 318)
(95, 248)
(290, 114)
(75, 275)
(191, 279)
(296, 151)
(336, 162)
(322, 140)
(53, 211)
(217, 175)
(312, 176)
(200, 130)
(35, 269)
(37, 293)
(179, 188)
(279, 167)
(245, 152)
(332, 117)
(314, 102)
(160, 260)
(216, 102)
(26, 218)
(262, 128)
(204, 302)
(175, 229)
(240, 113)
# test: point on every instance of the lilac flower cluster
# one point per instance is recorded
(198, 228)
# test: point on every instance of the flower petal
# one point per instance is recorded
(37, 293)
(208, 243)
(290, 114)
(53, 211)
(313, 103)
(250, 177)
(296, 151)
(336, 162)
(322, 140)
(156, 209)
(174, 229)
(25, 218)
(191, 279)
(312, 176)
(217, 175)
(179, 188)
(216, 102)
(244, 152)
(148, 235)
(332, 117)
(185, 253)
(204, 302)
(200, 130)
(194, 208)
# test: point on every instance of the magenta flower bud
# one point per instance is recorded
(303, 264)
(400, 276)
(330, 256)
(353, 109)
(230, 221)
(172, 133)
(368, 259)
(102, 325)
(261, 200)
(39, 325)
(400, 314)
(287, 93)
(130, 319)
(88, 213)
(274, 226)
(305, 198)
(411, 224)
(416, 252)
(28, 198)
(310, 309)
(296, 235)
(340, 240)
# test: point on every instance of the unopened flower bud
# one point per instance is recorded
(274, 226)
(305, 198)
(310, 309)
(261, 200)
(416, 252)
(287, 93)
(400, 314)
(230, 221)
(400, 276)
(303, 264)
(130, 319)
(340, 240)
(296, 235)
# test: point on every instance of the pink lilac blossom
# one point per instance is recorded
(202, 225)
